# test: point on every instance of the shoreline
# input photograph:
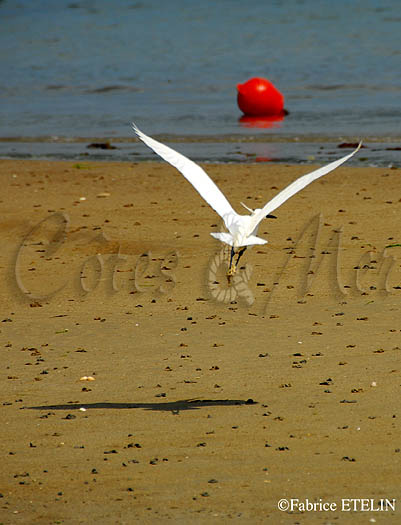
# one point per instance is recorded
(234, 137)
(234, 149)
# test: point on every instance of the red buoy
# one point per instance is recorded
(258, 96)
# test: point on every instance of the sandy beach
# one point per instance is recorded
(137, 386)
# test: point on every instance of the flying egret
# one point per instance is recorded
(242, 229)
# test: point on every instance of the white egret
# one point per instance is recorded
(242, 229)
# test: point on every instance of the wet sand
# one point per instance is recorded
(138, 387)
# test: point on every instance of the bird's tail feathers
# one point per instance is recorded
(227, 238)
(252, 239)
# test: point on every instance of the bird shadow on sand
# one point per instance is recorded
(164, 406)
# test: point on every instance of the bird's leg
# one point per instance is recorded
(240, 253)
(231, 266)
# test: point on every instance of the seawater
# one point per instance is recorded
(87, 68)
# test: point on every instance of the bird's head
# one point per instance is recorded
(248, 208)
(257, 210)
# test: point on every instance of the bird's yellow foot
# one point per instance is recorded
(231, 272)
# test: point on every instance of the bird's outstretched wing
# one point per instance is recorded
(298, 185)
(192, 172)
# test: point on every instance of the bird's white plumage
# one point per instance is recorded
(242, 229)
(300, 184)
(199, 179)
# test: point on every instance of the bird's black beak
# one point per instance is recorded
(270, 216)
